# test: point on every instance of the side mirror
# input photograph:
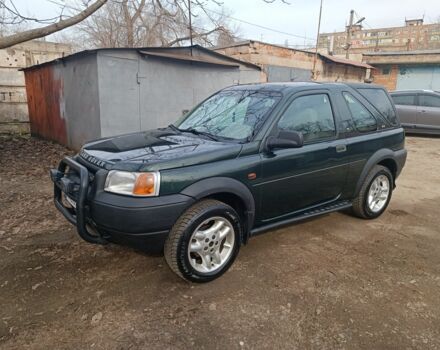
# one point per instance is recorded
(285, 139)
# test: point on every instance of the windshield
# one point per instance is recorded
(231, 114)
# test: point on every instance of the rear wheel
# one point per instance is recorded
(375, 193)
(204, 241)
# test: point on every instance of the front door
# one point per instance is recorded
(300, 178)
(406, 105)
(428, 116)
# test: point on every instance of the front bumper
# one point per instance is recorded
(101, 217)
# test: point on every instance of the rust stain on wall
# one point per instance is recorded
(44, 93)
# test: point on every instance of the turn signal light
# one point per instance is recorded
(144, 185)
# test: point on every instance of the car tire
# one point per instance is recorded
(204, 241)
(375, 193)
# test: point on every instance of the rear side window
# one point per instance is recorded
(381, 102)
(362, 118)
(311, 115)
(429, 101)
(405, 100)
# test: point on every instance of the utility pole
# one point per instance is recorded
(315, 58)
(190, 26)
(348, 43)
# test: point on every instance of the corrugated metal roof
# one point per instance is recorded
(248, 42)
(196, 59)
(345, 61)
(217, 59)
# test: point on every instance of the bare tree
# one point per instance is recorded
(272, 1)
(11, 15)
(137, 23)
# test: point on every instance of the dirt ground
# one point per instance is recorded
(335, 282)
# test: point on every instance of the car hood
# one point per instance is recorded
(156, 150)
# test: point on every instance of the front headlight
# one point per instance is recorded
(133, 184)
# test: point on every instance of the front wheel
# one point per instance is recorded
(375, 193)
(204, 241)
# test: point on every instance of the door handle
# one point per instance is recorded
(341, 148)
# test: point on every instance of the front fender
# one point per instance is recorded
(216, 185)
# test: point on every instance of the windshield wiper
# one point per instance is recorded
(194, 131)
(203, 133)
(174, 128)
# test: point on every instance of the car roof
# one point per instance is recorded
(288, 87)
(396, 92)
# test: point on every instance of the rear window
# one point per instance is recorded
(405, 100)
(381, 102)
(363, 119)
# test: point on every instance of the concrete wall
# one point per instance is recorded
(13, 102)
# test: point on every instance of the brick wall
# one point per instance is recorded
(266, 55)
(386, 76)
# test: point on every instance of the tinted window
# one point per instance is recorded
(311, 115)
(406, 100)
(363, 119)
(429, 101)
(381, 102)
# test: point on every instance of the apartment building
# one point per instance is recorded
(415, 35)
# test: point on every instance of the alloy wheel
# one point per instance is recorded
(211, 245)
(378, 193)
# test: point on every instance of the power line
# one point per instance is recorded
(260, 26)
(254, 24)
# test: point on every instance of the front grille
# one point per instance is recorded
(92, 168)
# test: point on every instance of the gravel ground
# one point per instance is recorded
(335, 282)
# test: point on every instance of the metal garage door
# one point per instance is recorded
(282, 74)
(426, 77)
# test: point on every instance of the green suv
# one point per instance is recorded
(248, 159)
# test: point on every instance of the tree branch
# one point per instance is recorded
(31, 34)
(196, 35)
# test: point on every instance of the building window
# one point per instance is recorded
(386, 70)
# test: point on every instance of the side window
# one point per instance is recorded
(404, 100)
(429, 101)
(362, 118)
(311, 115)
(381, 102)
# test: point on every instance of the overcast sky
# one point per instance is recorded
(298, 19)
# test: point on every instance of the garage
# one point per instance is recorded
(406, 70)
(412, 77)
